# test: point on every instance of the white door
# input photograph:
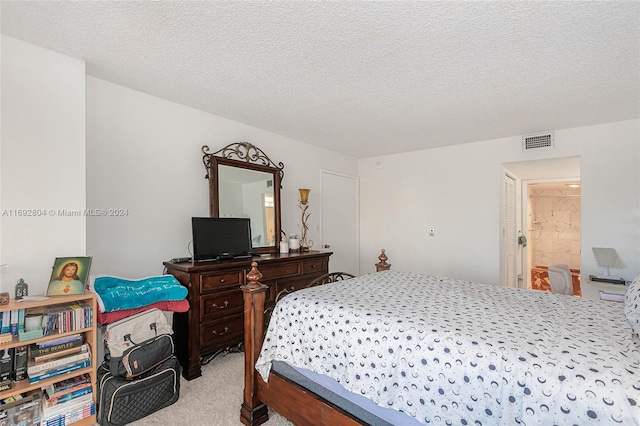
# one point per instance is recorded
(340, 221)
(508, 239)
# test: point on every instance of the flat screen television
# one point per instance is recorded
(220, 238)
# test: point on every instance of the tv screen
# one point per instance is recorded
(220, 238)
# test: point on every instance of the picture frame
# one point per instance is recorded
(69, 276)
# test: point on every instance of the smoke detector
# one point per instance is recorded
(538, 141)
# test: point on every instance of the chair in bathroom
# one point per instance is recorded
(560, 279)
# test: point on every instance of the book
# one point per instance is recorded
(34, 351)
(37, 367)
(68, 406)
(6, 364)
(62, 352)
(69, 416)
(6, 321)
(70, 383)
(72, 389)
(20, 363)
(50, 402)
(49, 328)
(59, 340)
(13, 322)
(58, 371)
(21, 319)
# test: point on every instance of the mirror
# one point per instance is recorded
(244, 182)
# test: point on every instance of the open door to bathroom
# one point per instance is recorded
(553, 213)
(552, 234)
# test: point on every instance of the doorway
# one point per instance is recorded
(553, 219)
(538, 249)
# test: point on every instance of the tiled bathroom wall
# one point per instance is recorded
(555, 225)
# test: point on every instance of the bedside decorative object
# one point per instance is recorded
(4, 298)
(382, 265)
(69, 276)
(305, 245)
(22, 289)
(294, 243)
(284, 246)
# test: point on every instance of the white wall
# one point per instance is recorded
(456, 190)
(144, 155)
(42, 161)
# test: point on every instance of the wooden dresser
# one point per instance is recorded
(215, 320)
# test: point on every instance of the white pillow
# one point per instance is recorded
(632, 305)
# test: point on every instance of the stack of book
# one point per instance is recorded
(61, 319)
(68, 401)
(12, 321)
(57, 356)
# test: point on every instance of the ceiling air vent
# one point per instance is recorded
(537, 141)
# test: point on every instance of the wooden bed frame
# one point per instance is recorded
(284, 396)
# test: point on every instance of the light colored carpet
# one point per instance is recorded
(213, 399)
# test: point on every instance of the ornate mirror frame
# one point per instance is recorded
(243, 155)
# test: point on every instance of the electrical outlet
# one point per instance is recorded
(432, 232)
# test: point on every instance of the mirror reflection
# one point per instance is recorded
(249, 194)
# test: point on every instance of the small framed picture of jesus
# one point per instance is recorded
(69, 276)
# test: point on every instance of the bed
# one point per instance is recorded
(442, 351)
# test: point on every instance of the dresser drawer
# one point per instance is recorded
(210, 282)
(270, 272)
(314, 266)
(221, 304)
(219, 334)
(215, 322)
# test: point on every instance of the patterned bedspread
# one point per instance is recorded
(452, 352)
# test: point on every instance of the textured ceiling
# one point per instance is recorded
(362, 78)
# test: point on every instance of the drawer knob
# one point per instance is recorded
(222, 280)
(226, 303)
(226, 330)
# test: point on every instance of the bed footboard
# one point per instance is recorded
(253, 412)
(285, 397)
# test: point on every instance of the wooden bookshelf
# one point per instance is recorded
(90, 337)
